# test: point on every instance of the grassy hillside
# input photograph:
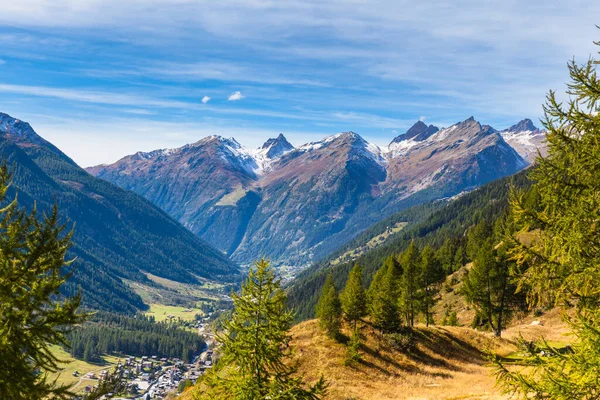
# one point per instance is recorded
(446, 363)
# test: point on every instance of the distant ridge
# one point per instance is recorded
(118, 235)
(296, 205)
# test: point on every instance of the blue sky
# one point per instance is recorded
(102, 79)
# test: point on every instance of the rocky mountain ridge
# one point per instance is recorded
(294, 205)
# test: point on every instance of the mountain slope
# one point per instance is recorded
(118, 234)
(297, 205)
(441, 222)
(526, 139)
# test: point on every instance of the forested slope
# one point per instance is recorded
(444, 229)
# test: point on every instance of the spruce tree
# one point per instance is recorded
(33, 314)
(354, 298)
(329, 309)
(255, 351)
(384, 293)
(557, 247)
(410, 283)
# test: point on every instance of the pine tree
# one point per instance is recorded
(409, 283)
(255, 346)
(33, 315)
(557, 247)
(384, 294)
(329, 309)
(354, 298)
(431, 274)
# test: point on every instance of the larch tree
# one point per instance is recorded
(255, 351)
(409, 284)
(354, 298)
(557, 247)
(384, 296)
(329, 309)
(488, 286)
(430, 275)
(33, 314)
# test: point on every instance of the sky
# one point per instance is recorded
(103, 79)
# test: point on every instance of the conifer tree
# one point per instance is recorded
(353, 355)
(329, 309)
(255, 346)
(488, 286)
(33, 315)
(384, 293)
(354, 298)
(560, 259)
(409, 283)
(445, 254)
(430, 276)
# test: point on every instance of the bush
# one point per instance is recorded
(402, 341)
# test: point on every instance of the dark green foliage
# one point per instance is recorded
(134, 336)
(117, 233)
(255, 346)
(354, 298)
(329, 309)
(33, 315)
(184, 384)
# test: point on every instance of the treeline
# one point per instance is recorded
(406, 286)
(108, 333)
(445, 230)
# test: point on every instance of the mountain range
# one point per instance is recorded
(295, 205)
(119, 236)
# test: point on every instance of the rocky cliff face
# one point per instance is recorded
(526, 139)
(295, 204)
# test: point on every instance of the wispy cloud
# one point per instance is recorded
(372, 67)
(235, 96)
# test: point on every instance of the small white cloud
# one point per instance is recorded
(422, 118)
(394, 131)
(235, 96)
(205, 99)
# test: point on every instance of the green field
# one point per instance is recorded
(65, 377)
(161, 312)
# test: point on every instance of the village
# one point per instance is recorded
(149, 377)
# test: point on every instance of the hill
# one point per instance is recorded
(445, 363)
(118, 234)
(448, 222)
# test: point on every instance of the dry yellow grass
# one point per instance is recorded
(447, 363)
